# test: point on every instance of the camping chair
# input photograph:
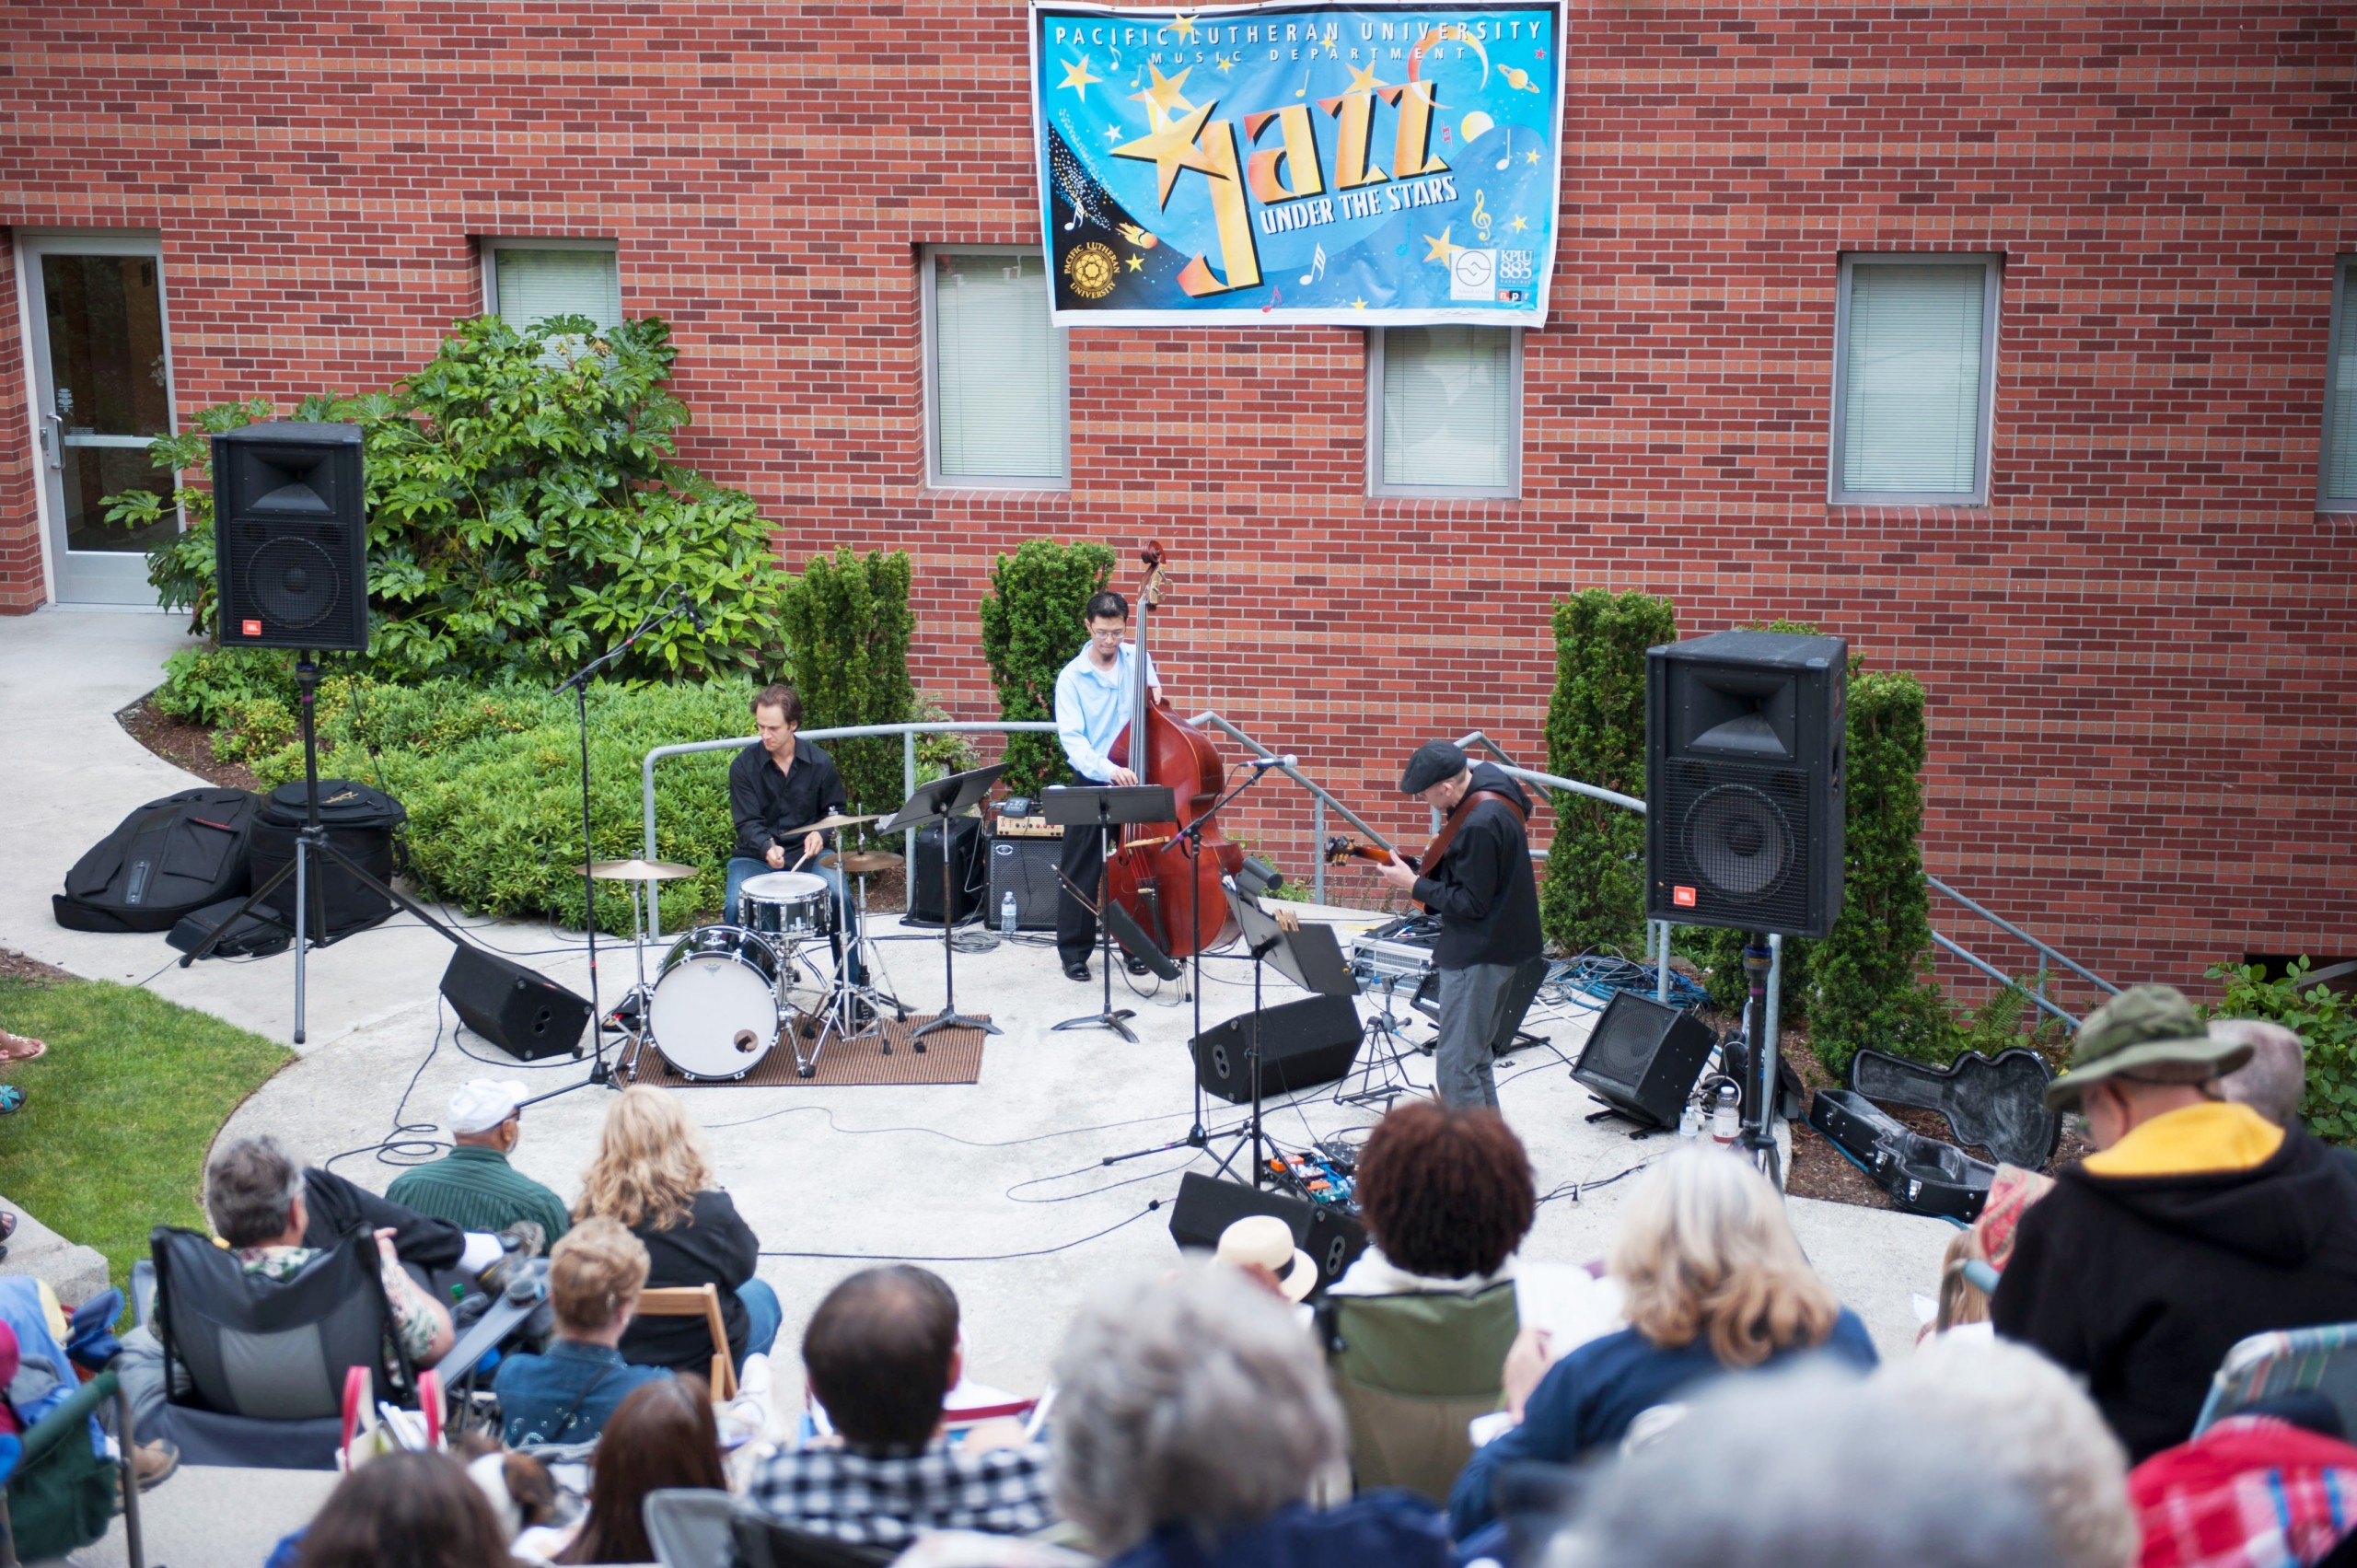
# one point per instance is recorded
(1412, 1371)
(2320, 1360)
(697, 1301)
(60, 1485)
(688, 1525)
(763, 1542)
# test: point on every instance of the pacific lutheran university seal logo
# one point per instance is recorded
(1091, 268)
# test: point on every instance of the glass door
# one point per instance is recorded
(103, 391)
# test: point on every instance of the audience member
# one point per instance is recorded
(882, 1354)
(2196, 1223)
(2031, 1425)
(255, 1192)
(1446, 1194)
(1805, 1469)
(2275, 1079)
(652, 1173)
(2266, 1487)
(1191, 1418)
(473, 1186)
(1962, 1304)
(1260, 1247)
(403, 1510)
(567, 1394)
(662, 1436)
(1715, 1283)
(336, 1207)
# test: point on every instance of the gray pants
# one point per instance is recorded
(1473, 1027)
(141, 1369)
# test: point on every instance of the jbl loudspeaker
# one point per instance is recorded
(1643, 1058)
(524, 1013)
(1206, 1206)
(1313, 1040)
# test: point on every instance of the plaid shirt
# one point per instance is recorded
(887, 1499)
(2250, 1493)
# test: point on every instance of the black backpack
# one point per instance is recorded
(166, 858)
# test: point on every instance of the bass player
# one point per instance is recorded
(1093, 705)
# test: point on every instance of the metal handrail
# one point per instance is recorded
(2010, 929)
(2002, 978)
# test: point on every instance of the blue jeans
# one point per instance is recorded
(742, 867)
(763, 1315)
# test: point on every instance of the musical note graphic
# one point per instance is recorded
(1274, 294)
(1303, 90)
(1317, 267)
(1481, 213)
(1507, 157)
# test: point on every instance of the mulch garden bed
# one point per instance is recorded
(183, 744)
(15, 966)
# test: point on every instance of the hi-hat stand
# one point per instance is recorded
(940, 801)
(1105, 808)
(311, 840)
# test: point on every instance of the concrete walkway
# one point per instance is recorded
(1003, 1184)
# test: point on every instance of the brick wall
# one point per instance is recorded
(2139, 653)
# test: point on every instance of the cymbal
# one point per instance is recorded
(828, 824)
(638, 870)
(862, 863)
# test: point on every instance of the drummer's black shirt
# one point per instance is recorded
(767, 804)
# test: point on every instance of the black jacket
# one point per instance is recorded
(1484, 889)
(335, 1206)
(713, 1245)
(2142, 1284)
(766, 803)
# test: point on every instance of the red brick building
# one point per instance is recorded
(2139, 646)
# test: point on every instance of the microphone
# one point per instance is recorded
(690, 606)
(1287, 760)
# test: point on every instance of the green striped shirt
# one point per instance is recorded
(476, 1188)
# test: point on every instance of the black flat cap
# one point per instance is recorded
(1433, 762)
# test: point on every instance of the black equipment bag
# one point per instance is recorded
(166, 858)
(359, 821)
(255, 936)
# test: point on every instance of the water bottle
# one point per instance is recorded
(1690, 1121)
(1006, 915)
(1726, 1121)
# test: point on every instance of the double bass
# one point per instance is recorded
(1172, 892)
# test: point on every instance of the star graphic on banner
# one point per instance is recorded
(1171, 148)
(1112, 133)
(1163, 99)
(1442, 251)
(1077, 77)
(1225, 64)
(1518, 224)
(1358, 304)
(1530, 157)
(1183, 25)
(1364, 80)
(1137, 264)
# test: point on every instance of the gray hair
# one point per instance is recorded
(2272, 1082)
(1799, 1469)
(249, 1189)
(2031, 1425)
(1195, 1399)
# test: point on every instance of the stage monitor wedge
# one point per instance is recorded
(290, 536)
(1642, 1057)
(1206, 1206)
(1744, 780)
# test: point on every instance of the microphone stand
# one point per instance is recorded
(579, 682)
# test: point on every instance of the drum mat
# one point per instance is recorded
(950, 1056)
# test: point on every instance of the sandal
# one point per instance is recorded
(19, 1048)
(12, 1100)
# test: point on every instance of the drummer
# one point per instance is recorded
(775, 785)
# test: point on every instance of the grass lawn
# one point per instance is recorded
(120, 1113)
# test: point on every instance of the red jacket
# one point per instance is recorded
(2252, 1492)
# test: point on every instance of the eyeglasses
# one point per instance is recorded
(1108, 634)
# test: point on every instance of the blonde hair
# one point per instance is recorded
(594, 1269)
(1704, 1249)
(651, 1162)
(1961, 1301)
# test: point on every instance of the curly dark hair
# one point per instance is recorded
(1444, 1192)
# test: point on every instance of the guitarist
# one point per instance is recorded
(1480, 886)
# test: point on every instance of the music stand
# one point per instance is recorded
(1306, 954)
(1106, 806)
(938, 802)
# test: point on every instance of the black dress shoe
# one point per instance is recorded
(1137, 966)
(1076, 969)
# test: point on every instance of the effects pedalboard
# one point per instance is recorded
(1324, 1175)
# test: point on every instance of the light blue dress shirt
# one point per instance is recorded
(1093, 707)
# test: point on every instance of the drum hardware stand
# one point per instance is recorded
(1106, 806)
(844, 994)
(311, 840)
(940, 801)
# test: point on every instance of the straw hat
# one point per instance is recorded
(1267, 1241)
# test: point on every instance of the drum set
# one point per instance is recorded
(723, 995)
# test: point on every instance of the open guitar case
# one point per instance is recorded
(1997, 1102)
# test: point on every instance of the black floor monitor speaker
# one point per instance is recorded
(965, 873)
(1643, 1058)
(1025, 868)
(1744, 781)
(290, 536)
(1313, 1040)
(524, 1013)
(1206, 1206)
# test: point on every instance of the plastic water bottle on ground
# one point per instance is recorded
(1726, 1121)
(1006, 915)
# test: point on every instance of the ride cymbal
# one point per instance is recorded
(637, 870)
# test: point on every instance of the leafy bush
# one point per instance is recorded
(847, 623)
(2324, 1019)
(1031, 628)
(524, 512)
(2009, 1019)
(1593, 895)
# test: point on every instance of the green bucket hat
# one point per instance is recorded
(2145, 1026)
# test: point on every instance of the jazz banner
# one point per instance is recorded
(1352, 165)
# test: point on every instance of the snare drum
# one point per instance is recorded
(715, 1012)
(786, 906)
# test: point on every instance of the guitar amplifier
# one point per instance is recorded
(1025, 868)
(1026, 827)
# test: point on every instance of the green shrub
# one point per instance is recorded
(524, 513)
(2324, 1019)
(2009, 1019)
(1593, 895)
(847, 625)
(1031, 629)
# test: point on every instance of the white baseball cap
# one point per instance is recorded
(482, 1104)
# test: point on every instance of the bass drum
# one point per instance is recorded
(715, 1012)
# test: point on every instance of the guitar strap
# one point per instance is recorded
(1428, 864)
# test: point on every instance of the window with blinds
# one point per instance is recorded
(1451, 411)
(995, 372)
(2337, 491)
(1913, 368)
(529, 285)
